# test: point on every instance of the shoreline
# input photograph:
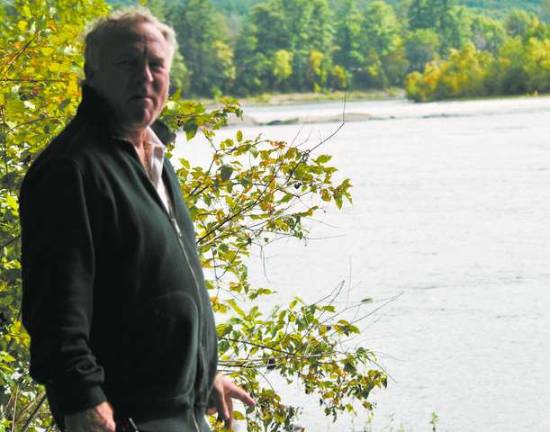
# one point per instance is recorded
(394, 93)
(304, 98)
(267, 99)
(295, 114)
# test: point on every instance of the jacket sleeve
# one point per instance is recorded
(58, 280)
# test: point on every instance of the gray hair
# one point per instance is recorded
(120, 20)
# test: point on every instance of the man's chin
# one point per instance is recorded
(140, 119)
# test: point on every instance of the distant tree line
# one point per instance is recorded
(512, 59)
(433, 48)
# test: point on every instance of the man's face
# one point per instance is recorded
(134, 75)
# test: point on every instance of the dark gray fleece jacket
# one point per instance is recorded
(113, 299)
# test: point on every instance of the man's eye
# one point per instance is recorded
(126, 62)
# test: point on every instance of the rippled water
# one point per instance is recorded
(451, 209)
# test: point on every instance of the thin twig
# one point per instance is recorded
(10, 241)
(13, 422)
(32, 80)
(20, 53)
(34, 413)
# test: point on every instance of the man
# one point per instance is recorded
(113, 294)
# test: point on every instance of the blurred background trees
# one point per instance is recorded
(246, 48)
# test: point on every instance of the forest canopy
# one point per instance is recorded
(435, 49)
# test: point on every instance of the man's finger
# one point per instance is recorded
(243, 396)
(229, 421)
(222, 407)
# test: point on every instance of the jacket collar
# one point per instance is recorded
(95, 108)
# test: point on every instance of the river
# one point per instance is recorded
(450, 219)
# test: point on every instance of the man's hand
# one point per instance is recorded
(223, 393)
(97, 419)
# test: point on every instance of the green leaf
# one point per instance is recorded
(323, 159)
(190, 130)
(225, 172)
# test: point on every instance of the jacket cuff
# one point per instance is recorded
(73, 399)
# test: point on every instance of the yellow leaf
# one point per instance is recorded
(11, 202)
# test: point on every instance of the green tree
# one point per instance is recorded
(270, 27)
(424, 14)
(309, 29)
(158, 7)
(382, 46)
(282, 66)
(508, 71)
(319, 69)
(537, 65)
(455, 29)
(339, 78)
(519, 23)
(321, 29)
(320, 45)
(348, 33)
(179, 75)
(262, 36)
(448, 20)
(381, 28)
(209, 59)
(487, 34)
(299, 27)
(421, 46)
(252, 67)
(463, 74)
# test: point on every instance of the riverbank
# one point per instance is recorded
(311, 97)
(300, 98)
(394, 93)
(384, 110)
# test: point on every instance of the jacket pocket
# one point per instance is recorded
(161, 344)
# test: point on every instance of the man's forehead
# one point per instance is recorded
(135, 38)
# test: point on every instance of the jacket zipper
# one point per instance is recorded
(171, 217)
(179, 235)
(195, 421)
(170, 214)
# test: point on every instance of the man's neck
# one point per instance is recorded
(136, 136)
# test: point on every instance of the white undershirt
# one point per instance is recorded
(153, 169)
(154, 166)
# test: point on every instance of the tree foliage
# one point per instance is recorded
(206, 54)
(253, 192)
(258, 46)
(505, 58)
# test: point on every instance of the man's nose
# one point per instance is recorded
(144, 73)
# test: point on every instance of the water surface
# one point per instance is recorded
(450, 213)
